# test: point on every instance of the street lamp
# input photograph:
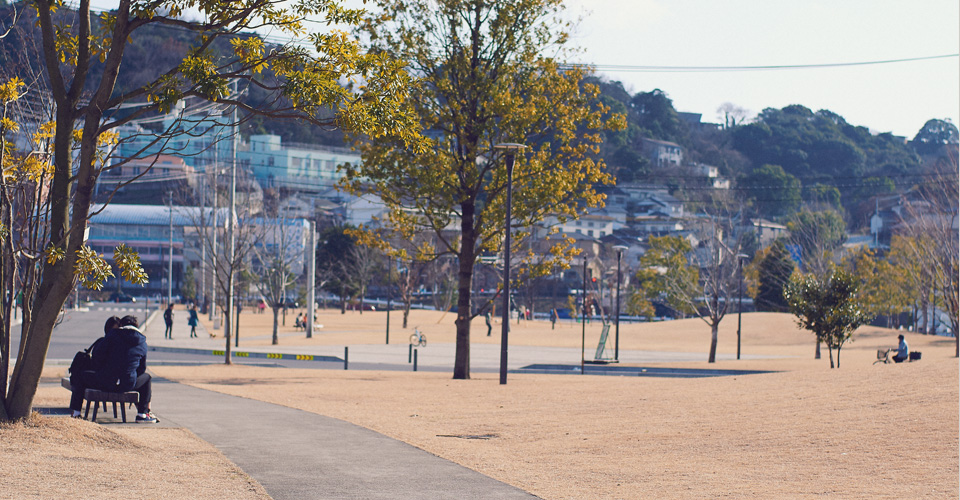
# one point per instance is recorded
(616, 345)
(389, 295)
(740, 258)
(511, 151)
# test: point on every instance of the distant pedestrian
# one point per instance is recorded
(489, 321)
(193, 320)
(168, 320)
(553, 318)
(262, 306)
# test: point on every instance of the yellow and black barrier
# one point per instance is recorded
(248, 354)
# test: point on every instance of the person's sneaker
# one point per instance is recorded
(147, 418)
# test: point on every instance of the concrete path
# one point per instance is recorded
(434, 357)
(300, 455)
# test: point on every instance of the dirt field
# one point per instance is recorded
(804, 431)
(59, 458)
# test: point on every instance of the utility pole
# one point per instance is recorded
(213, 238)
(311, 276)
(170, 254)
(203, 236)
(233, 227)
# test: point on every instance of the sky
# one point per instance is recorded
(897, 98)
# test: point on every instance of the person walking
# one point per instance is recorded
(489, 321)
(168, 320)
(193, 320)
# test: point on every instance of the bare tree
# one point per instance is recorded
(363, 263)
(280, 243)
(732, 114)
(931, 222)
(210, 227)
(696, 279)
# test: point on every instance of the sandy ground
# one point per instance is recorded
(804, 431)
(50, 457)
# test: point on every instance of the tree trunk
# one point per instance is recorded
(830, 350)
(923, 316)
(226, 334)
(468, 239)
(406, 313)
(816, 354)
(276, 326)
(713, 343)
(57, 279)
(838, 355)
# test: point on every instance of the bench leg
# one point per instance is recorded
(123, 411)
(96, 407)
(86, 414)
(115, 409)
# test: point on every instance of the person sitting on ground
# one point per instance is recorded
(902, 350)
(120, 364)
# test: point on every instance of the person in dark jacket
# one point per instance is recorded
(168, 321)
(193, 321)
(119, 365)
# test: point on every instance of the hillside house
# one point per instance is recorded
(663, 153)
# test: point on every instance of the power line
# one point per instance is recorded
(280, 39)
(622, 68)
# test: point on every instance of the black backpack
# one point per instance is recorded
(83, 360)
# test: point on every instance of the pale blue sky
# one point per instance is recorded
(896, 98)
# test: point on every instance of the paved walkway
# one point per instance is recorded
(434, 357)
(296, 454)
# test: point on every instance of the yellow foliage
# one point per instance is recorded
(54, 254)
(92, 269)
(10, 91)
(128, 261)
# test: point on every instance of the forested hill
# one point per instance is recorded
(809, 156)
(815, 157)
(151, 48)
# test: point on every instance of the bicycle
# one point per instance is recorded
(418, 339)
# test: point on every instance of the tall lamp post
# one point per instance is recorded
(389, 295)
(740, 258)
(616, 343)
(511, 150)
(170, 250)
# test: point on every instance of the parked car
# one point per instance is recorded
(121, 297)
(356, 306)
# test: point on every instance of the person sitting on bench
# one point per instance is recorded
(902, 351)
(120, 365)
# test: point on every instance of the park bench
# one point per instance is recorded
(98, 397)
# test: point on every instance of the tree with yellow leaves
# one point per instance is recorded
(488, 72)
(323, 78)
